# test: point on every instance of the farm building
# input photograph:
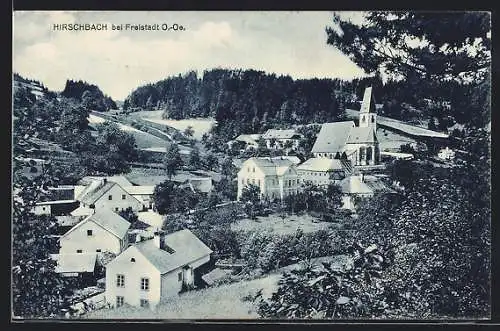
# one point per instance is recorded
(103, 231)
(109, 195)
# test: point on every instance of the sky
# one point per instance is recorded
(290, 43)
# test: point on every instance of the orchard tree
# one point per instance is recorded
(173, 160)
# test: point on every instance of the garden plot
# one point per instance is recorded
(279, 225)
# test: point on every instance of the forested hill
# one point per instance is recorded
(89, 94)
(254, 98)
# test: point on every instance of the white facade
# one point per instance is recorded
(117, 199)
(446, 154)
(90, 237)
(274, 181)
(133, 267)
(41, 210)
(126, 275)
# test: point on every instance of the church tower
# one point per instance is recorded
(367, 113)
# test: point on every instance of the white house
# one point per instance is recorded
(275, 177)
(106, 194)
(103, 231)
(142, 193)
(362, 186)
(280, 139)
(345, 140)
(446, 154)
(322, 171)
(352, 187)
(155, 269)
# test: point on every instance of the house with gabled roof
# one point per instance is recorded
(279, 138)
(109, 195)
(361, 186)
(155, 269)
(275, 177)
(345, 140)
(323, 171)
(103, 231)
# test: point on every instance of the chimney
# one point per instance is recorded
(159, 239)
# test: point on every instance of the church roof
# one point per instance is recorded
(332, 137)
(361, 135)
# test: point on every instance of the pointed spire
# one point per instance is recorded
(368, 104)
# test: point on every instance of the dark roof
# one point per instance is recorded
(332, 137)
(187, 249)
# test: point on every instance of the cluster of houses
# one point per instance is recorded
(344, 154)
(149, 266)
(144, 267)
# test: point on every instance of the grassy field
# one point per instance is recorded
(199, 125)
(222, 302)
(391, 140)
(143, 140)
(274, 222)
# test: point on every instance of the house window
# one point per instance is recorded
(145, 284)
(79, 251)
(110, 197)
(120, 280)
(144, 303)
(89, 232)
(116, 209)
(253, 169)
(242, 182)
(98, 250)
(253, 181)
(179, 276)
(124, 196)
(248, 169)
(43, 208)
(258, 182)
(119, 301)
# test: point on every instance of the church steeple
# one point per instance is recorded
(367, 113)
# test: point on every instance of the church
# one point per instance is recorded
(345, 140)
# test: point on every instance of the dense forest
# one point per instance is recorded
(256, 99)
(249, 101)
(88, 94)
